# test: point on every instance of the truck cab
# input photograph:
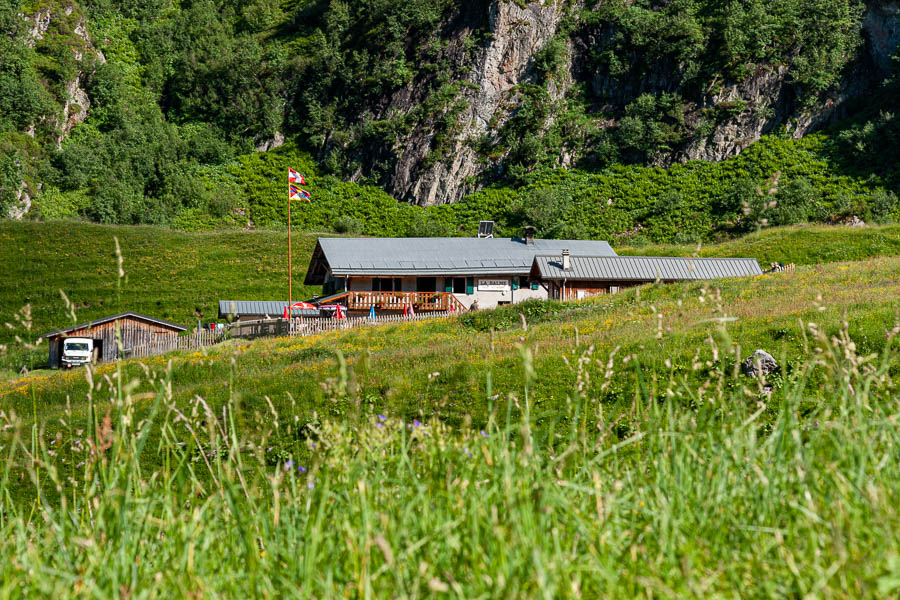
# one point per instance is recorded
(77, 351)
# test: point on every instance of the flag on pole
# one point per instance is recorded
(295, 177)
(298, 193)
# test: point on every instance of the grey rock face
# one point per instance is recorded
(882, 27)
(21, 206)
(769, 103)
(760, 362)
(266, 144)
(517, 33)
(76, 102)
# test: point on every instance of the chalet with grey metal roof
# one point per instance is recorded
(434, 273)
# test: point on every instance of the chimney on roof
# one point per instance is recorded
(565, 256)
(529, 235)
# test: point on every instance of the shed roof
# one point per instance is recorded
(273, 308)
(642, 268)
(436, 256)
(133, 315)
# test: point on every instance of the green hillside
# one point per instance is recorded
(606, 444)
(170, 275)
(799, 245)
(181, 276)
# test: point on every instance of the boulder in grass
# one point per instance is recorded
(760, 362)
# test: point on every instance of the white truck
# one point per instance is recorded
(77, 351)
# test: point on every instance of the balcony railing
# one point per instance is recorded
(396, 301)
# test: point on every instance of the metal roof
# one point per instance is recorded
(643, 268)
(115, 317)
(437, 256)
(273, 308)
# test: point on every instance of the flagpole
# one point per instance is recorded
(290, 272)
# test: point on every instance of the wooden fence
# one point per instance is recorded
(313, 326)
(194, 341)
(266, 328)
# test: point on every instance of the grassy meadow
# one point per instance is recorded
(181, 276)
(801, 245)
(169, 275)
(605, 448)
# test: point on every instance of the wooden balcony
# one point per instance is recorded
(396, 301)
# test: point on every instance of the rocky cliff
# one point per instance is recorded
(58, 31)
(713, 122)
(516, 34)
(429, 99)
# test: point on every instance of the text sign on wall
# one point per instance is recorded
(493, 285)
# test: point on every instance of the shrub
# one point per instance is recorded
(883, 206)
(348, 224)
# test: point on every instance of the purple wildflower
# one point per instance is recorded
(417, 423)
(379, 425)
(301, 469)
(484, 433)
(382, 418)
(311, 484)
(288, 465)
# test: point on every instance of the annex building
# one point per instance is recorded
(573, 277)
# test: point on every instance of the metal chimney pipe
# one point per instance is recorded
(565, 259)
(529, 235)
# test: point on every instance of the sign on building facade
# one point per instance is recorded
(493, 285)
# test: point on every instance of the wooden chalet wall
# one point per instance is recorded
(135, 332)
(590, 288)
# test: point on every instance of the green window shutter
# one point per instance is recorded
(515, 285)
(448, 284)
(470, 285)
(534, 285)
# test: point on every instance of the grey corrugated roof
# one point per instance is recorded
(102, 320)
(644, 268)
(273, 308)
(439, 256)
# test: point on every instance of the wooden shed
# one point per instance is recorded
(136, 330)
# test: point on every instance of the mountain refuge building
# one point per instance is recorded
(448, 274)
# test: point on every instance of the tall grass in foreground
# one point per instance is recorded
(687, 499)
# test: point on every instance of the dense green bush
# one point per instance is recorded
(506, 317)
(774, 182)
